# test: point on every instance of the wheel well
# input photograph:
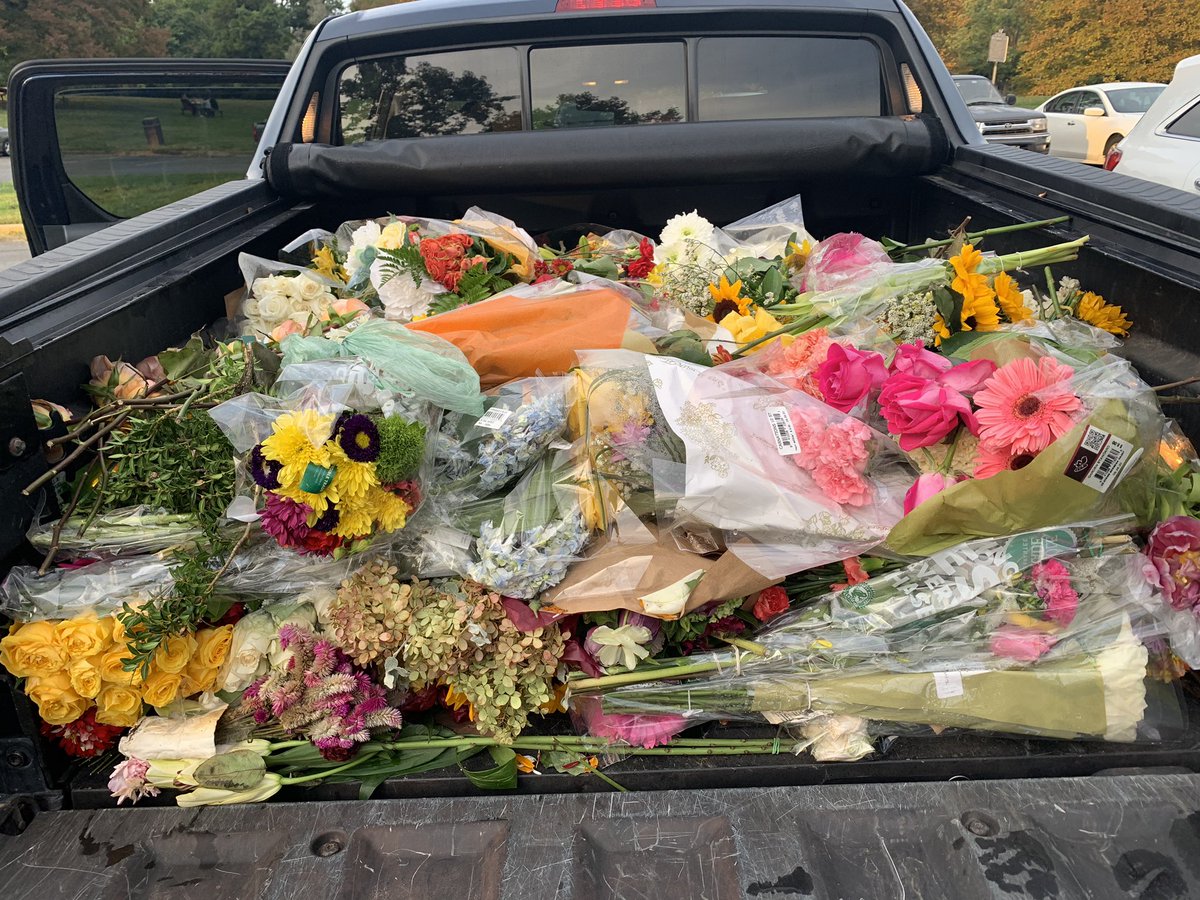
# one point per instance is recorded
(1113, 138)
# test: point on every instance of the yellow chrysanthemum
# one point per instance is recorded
(1095, 311)
(297, 439)
(354, 520)
(746, 329)
(726, 293)
(388, 510)
(979, 311)
(326, 264)
(798, 255)
(1010, 298)
(353, 479)
(940, 331)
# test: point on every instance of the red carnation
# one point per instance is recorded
(85, 737)
(644, 264)
(319, 543)
(770, 603)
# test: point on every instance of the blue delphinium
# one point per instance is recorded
(520, 441)
(523, 562)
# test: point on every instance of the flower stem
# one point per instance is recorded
(325, 773)
(1053, 292)
(976, 235)
(657, 673)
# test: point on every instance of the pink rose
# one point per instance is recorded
(287, 327)
(840, 258)
(848, 375)
(922, 412)
(966, 378)
(1052, 581)
(348, 306)
(1020, 644)
(1174, 556)
(923, 488)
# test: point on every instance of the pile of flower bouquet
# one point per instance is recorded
(448, 484)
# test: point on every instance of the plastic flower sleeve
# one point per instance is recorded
(790, 482)
(478, 455)
(101, 587)
(1042, 634)
(1106, 465)
(766, 233)
(119, 532)
(282, 298)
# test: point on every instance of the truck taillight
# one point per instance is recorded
(1114, 157)
(585, 5)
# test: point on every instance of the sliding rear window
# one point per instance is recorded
(603, 85)
(787, 78)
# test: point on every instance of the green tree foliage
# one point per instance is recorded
(982, 19)
(35, 29)
(941, 19)
(249, 29)
(356, 5)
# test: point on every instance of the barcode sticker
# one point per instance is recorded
(1101, 460)
(494, 418)
(782, 430)
(948, 684)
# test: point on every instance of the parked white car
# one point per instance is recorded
(1086, 122)
(1165, 145)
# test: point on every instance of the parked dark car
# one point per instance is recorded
(3, 142)
(999, 120)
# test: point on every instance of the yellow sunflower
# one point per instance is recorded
(1011, 300)
(979, 311)
(940, 331)
(798, 254)
(728, 298)
(1095, 311)
(455, 699)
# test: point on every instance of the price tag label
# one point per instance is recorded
(494, 418)
(1100, 460)
(948, 684)
(783, 431)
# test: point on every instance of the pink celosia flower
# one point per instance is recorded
(1027, 404)
(841, 258)
(128, 781)
(848, 375)
(1173, 560)
(1020, 644)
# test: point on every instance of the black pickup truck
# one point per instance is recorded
(556, 112)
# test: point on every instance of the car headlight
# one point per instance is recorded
(1037, 124)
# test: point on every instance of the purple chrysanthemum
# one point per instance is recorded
(285, 520)
(265, 472)
(359, 439)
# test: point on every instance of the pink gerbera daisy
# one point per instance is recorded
(1026, 405)
(989, 460)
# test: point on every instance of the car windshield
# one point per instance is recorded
(978, 90)
(1134, 100)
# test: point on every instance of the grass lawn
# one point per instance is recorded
(113, 125)
(1033, 100)
(9, 214)
(132, 195)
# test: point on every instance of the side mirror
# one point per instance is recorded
(1094, 112)
(1010, 99)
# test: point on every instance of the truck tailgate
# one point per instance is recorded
(1135, 836)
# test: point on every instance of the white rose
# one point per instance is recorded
(274, 308)
(402, 298)
(320, 598)
(247, 659)
(250, 307)
(309, 288)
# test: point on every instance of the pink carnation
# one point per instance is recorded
(796, 364)
(842, 485)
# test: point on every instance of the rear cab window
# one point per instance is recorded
(610, 84)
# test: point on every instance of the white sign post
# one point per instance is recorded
(997, 51)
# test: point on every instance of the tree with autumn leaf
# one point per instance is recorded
(35, 29)
(1074, 42)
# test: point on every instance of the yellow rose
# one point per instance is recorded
(112, 667)
(212, 646)
(84, 636)
(33, 649)
(746, 329)
(161, 687)
(85, 677)
(117, 705)
(57, 703)
(393, 236)
(173, 653)
(197, 679)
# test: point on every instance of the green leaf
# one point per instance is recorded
(501, 777)
(601, 266)
(237, 770)
(180, 361)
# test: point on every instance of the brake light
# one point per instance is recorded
(1114, 157)
(586, 5)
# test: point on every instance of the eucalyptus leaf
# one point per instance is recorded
(237, 770)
